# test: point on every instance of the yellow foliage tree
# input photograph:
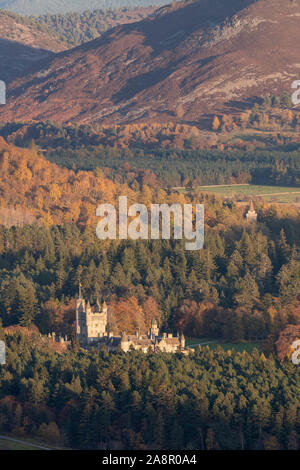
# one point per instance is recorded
(216, 123)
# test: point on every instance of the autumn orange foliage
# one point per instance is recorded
(127, 315)
(31, 185)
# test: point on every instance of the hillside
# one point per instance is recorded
(77, 28)
(41, 7)
(23, 42)
(183, 62)
(32, 189)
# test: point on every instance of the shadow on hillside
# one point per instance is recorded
(17, 60)
(237, 106)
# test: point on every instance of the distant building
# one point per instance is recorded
(91, 330)
(90, 323)
(251, 215)
(59, 338)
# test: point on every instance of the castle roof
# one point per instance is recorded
(169, 340)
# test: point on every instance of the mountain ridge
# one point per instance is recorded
(78, 28)
(42, 7)
(22, 44)
(182, 62)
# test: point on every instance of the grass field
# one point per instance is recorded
(11, 443)
(8, 445)
(213, 344)
(270, 193)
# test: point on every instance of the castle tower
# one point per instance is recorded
(154, 330)
(91, 323)
(251, 215)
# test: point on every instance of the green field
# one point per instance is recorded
(8, 445)
(213, 344)
(270, 193)
(19, 444)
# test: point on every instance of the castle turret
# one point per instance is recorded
(80, 316)
(98, 306)
(182, 341)
(124, 342)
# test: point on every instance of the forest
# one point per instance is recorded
(43, 7)
(77, 28)
(74, 28)
(95, 400)
(243, 286)
(175, 168)
(124, 156)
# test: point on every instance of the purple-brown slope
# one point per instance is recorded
(22, 44)
(184, 61)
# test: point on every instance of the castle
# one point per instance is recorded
(251, 215)
(91, 330)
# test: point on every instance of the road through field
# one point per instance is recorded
(24, 443)
(279, 194)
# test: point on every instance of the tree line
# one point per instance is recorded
(129, 156)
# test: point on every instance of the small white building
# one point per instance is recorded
(251, 215)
